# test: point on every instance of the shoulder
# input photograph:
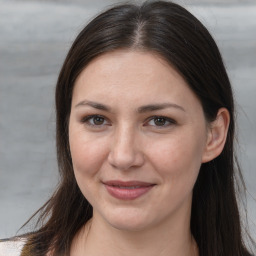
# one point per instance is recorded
(11, 247)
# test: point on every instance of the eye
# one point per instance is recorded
(95, 120)
(161, 121)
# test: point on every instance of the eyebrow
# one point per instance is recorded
(142, 109)
(154, 107)
(94, 105)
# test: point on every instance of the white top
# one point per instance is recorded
(12, 247)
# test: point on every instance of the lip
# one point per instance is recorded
(127, 190)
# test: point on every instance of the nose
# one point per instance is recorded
(125, 151)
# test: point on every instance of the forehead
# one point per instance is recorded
(134, 62)
(132, 76)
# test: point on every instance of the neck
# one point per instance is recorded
(171, 238)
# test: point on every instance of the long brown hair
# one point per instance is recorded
(175, 34)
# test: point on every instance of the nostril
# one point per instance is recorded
(125, 160)
(121, 160)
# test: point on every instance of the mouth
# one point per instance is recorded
(127, 190)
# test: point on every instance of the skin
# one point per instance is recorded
(126, 144)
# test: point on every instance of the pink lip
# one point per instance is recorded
(127, 190)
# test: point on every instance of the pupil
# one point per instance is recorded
(98, 120)
(159, 121)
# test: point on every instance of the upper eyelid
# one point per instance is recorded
(91, 116)
(160, 116)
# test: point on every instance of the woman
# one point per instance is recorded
(145, 131)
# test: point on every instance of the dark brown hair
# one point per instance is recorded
(177, 36)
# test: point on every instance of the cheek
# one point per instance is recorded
(178, 158)
(87, 153)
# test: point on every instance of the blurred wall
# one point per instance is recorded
(34, 39)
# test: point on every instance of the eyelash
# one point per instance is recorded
(166, 119)
(86, 120)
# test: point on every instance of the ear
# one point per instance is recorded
(217, 134)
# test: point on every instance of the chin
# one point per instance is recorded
(128, 226)
(128, 220)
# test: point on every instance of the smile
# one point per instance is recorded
(127, 187)
(127, 190)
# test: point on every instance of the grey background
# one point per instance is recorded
(34, 39)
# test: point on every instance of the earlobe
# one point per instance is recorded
(217, 135)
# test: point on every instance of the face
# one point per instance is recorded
(137, 138)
